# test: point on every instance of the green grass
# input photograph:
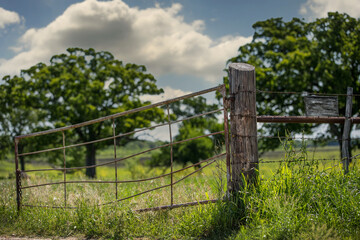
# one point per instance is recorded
(116, 221)
(326, 156)
(291, 205)
(293, 200)
(7, 169)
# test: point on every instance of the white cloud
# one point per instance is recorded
(162, 133)
(158, 38)
(320, 8)
(169, 93)
(8, 17)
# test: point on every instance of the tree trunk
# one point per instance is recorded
(22, 160)
(22, 163)
(91, 160)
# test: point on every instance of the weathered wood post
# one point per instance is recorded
(244, 151)
(346, 132)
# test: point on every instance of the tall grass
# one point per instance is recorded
(301, 200)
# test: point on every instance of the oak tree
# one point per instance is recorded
(297, 56)
(82, 85)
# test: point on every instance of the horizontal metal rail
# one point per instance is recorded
(177, 205)
(202, 202)
(126, 181)
(46, 206)
(306, 93)
(116, 115)
(120, 135)
(304, 119)
(124, 158)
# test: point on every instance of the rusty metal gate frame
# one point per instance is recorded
(220, 88)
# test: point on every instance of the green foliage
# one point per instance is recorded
(188, 152)
(83, 85)
(17, 116)
(320, 56)
(195, 150)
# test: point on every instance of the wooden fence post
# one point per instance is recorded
(346, 132)
(244, 151)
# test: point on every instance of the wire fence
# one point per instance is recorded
(304, 93)
(165, 104)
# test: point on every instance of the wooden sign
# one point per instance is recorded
(322, 106)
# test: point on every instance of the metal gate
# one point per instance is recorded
(64, 147)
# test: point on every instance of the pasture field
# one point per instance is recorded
(297, 200)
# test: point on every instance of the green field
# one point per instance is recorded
(297, 200)
(132, 167)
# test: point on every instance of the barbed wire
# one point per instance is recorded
(301, 160)
(307, 138)
(308, 160)
(317, 173)
(355, 156)
(305, 93)
(322, 139)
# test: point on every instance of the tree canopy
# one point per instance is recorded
(319, 56)
(82, 85)
(17, 116)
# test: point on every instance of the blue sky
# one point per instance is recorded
(184, 43)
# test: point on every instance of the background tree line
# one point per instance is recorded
(82, 85)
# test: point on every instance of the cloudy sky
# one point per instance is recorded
(183, 43)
